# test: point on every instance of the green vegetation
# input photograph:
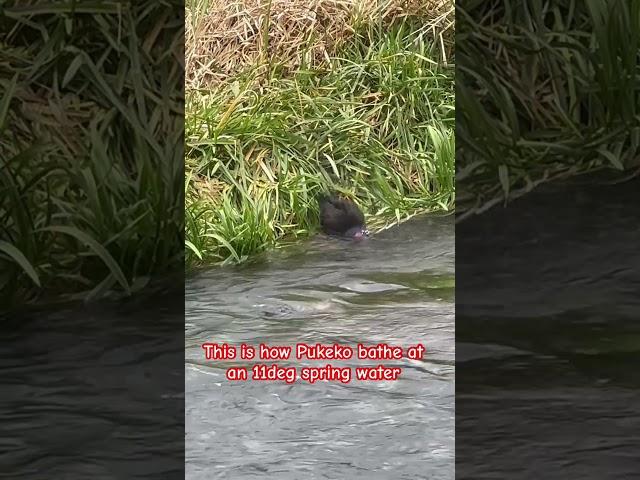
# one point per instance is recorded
(374, 119)
(91, 146)
(545, 90)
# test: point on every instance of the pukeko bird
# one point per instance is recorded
(341, 217)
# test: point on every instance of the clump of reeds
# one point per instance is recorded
(224, 38)
(544, 91)
(377, 123)
(91, 146)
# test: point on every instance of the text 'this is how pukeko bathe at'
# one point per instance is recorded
(341, 217)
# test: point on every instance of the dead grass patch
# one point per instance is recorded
(224, 38)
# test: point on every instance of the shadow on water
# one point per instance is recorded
(397, 288)
(547, 377)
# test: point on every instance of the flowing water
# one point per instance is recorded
(93, 391)
(548, 336)
(396, 288)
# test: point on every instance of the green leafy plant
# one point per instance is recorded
(376, 123)
(545, 89)
(91, 147)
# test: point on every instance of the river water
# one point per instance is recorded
(548, 336)
(94, 391)
(396, 288)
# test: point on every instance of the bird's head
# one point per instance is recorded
(357, 233)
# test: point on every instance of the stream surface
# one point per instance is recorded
(548, 336)
(396, 288)
(94, 391)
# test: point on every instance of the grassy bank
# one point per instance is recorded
(371, 115)
(91, 147)
(544, 91)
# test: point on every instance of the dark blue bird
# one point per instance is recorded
(341, 217)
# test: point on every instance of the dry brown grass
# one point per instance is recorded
(224, 38)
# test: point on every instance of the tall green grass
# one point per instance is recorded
(545, 89)
(377, 124)
(91, 146)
